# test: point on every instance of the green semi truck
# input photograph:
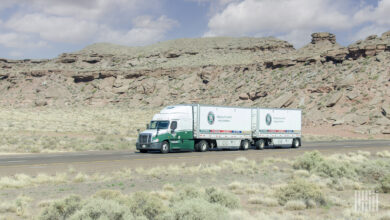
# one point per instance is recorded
(196, 127)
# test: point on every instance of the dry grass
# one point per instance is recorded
(385, 154)
(261, 193)
(266, 201)
(23, 180)
(70, 129)
(295, 205)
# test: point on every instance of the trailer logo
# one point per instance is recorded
(268, 119)
(210, 118)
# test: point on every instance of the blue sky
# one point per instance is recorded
(47, 28)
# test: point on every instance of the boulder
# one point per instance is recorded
(386, 131)
(323, 37)
(370, 50)
(352, 95)
(360, 119)
(386, 111)
(284, 100)
(40, 102)
(386, 35)
(92, 60)
(120, 90)
(355, 52)
(334, 99)
(279, 63)
(322, 89)
(3, 75)
(338, 122)
(257, 94)
(243, 96)
(336, 55)
(172, 54)
(347, 82)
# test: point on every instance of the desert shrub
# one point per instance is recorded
(300, 189)
(62, 209)
(196, 209)
(385, 184)
(333, 168)
(188, 192)
(316, 163)
(308, 161)
(383, 154)
(108, 194)
(223, 198)
(102, 209)
(145, 204)
(373, 170)
(295, 205)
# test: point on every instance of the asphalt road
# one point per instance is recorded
(97, 161)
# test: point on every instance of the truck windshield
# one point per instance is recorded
(159, 124)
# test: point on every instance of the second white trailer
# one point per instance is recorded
(202, 127)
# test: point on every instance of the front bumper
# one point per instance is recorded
(150, 146)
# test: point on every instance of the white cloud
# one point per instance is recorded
(295, 20)
(16, 40)
(270, 16)
(145, 31)
(378, 15)
(15, 54)
(88, 9)
(53, 28)
(84, 21)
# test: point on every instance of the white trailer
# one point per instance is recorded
(202, 127)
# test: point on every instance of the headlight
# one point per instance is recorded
(155, 140)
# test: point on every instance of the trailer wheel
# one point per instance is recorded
(244, 145)
(202, 146)
(164, 147)
(296, 143)
(260, 144)
(143, 151)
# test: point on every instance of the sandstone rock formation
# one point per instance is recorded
(323, 78)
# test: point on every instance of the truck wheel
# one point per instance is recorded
(143, 151)
(202, 146)
(260, 144)
(296, 143)
(164, 147)
(244, 145)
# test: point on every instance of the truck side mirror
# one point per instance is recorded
(138, 130)
(173, 126)
(147, 126)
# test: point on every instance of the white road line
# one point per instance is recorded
(15, 161)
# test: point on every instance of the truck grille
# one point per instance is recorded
(145, 138)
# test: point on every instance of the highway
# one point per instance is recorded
(100, 161)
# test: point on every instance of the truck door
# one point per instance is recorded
(178, 137)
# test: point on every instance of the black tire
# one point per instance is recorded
(260, 144)
(164, 147)
(244, 145)
(296, 143)
(202, 146)
(143, 151)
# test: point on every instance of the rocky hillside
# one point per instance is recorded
(334, 85)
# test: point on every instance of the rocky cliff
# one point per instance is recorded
(334, 85)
